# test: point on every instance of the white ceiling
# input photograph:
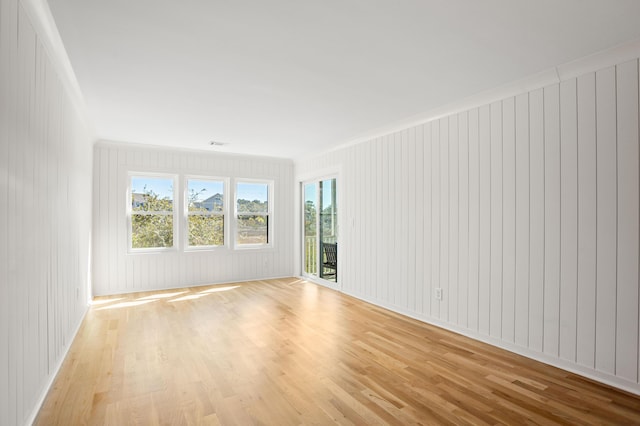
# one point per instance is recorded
(287, 77)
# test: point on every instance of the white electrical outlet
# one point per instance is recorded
(438, 293)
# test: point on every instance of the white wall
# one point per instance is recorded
(525, 211)
(116, 271)
(45, 214)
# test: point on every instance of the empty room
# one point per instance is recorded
(347, 212)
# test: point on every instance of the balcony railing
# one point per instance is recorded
(311, 254)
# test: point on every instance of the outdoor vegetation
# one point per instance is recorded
(152, 221)
(206, 227)
(253, 228)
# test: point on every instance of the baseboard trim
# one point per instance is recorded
(52, 377)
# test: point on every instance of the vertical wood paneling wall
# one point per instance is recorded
(525, 212)
(117, 271)
(45, 216)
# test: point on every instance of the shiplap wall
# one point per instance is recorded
(524, 211)
(45, 216)
(117, 271)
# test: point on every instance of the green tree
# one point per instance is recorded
(309, 218)
(151, 221)
(255, 206)
(328, 219)
(205, 229)
(252, 228)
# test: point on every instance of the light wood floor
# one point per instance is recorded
(287, 352)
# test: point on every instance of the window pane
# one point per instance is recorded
(328, 211)
(328, 230)
(205, 195)
(151, 194)
(149, 231)
(206, 230)
(253, 229)
(310, 234)
(252, 197)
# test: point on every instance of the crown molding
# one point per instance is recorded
(47, 33)
(624, 52)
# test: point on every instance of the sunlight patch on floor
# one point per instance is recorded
(105, 301)
(185, 295)
(189, 297)
(162, 295)
(217, 289)
(127, 304)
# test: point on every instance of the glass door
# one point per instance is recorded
(320, 234)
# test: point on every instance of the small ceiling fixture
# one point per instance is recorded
(216, 143)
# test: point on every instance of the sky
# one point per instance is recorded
(252, 191)
(210, 187)
(160, 185)
(326, 193)
(310, 192)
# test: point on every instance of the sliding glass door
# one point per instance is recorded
(320, 233)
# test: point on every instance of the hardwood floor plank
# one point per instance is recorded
(289, 352)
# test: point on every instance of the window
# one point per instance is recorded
(205, 213)
(202, 222)
(253, 211)
(152, 212)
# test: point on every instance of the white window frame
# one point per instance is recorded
(130, 213)
(225, 212)
(270, 217)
